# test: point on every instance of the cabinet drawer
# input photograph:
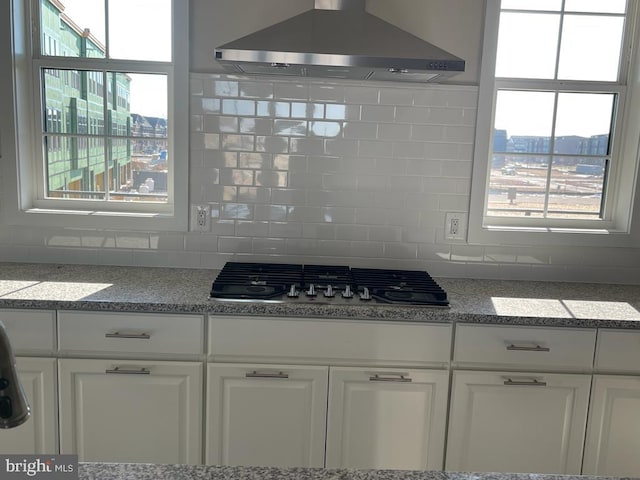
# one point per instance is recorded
(132, 333)
(30, 331)
(524, 347)
(618, 350)
(328, 341)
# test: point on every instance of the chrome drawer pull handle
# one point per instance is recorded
(128, 371)
(142, 336)
(534, 382)
(399, 378)
(256, 374)
(526, 348)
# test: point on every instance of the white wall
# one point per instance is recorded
(369, 186)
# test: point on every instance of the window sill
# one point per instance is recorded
(550, 236)
(42, 217)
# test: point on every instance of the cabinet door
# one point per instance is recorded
(386, 419)
(131, 411)
(613, 434)
(517, 422)
(266, 415)
(38, 435)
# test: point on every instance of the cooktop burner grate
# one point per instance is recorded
(265, 281)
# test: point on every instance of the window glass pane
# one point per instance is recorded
(583, 124)
(576, 188)
(517, 185)
(135, 177)
(590, 48)
(75, 167)
(555, 5)
(73, 28)
(599, 6)
(73, 101)
(527, 45)
(524, 120)
(140, 30)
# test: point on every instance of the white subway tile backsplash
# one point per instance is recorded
(307, 110)
(273, 109)
(417, 115)
(237, 142)
(378, 113)
(291, 91)
(239, 107)
(254, 195)
(302, 170)
(283, 229)
(396, 96)
(358, 130)
(327, 93)
(394, 132)
(273, 144)
(400, 250)
(319, 231)
(269, 246)
(221, 88)
(340, 147)
(307, 146)
(235, 244)
(270, 178)
(252, 229)
(361, 95)
(366, 250)
(375, 148)
(262, 90)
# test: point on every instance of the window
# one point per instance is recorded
(553, 114)
(97, 74)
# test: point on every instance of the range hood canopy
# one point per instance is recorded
(338, 39)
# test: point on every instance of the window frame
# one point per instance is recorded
(25, 203)
(621, 199)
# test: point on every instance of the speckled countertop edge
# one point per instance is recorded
(169, 290)
(115, 471)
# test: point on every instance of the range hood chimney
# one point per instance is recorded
(338, 39)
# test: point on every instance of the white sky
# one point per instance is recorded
(138, 29)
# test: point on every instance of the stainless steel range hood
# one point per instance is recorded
(338, 39)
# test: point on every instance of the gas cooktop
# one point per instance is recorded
(274, 282)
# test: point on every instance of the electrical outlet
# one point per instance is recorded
(455, 226)
(200, 218)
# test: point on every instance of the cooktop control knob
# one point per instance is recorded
(329, 292)
(365, 295)
(293, 293)
(312, 291)
(347, 293)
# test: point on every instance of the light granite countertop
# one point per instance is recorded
(172, 290)
(114, 471)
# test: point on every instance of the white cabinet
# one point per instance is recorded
(31, 332)
(517, 422)
(39, 434)
(131, 411)
(134, 335)
(526, 348)
(387, 418)
(613, 435)
(266, 415)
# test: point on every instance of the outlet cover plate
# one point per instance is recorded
(200, 218)
(455, 226)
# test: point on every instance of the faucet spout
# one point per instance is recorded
(14, 407)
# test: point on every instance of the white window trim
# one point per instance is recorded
(19, 149)
(621, 231)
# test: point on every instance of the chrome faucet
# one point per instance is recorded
(14, 408)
